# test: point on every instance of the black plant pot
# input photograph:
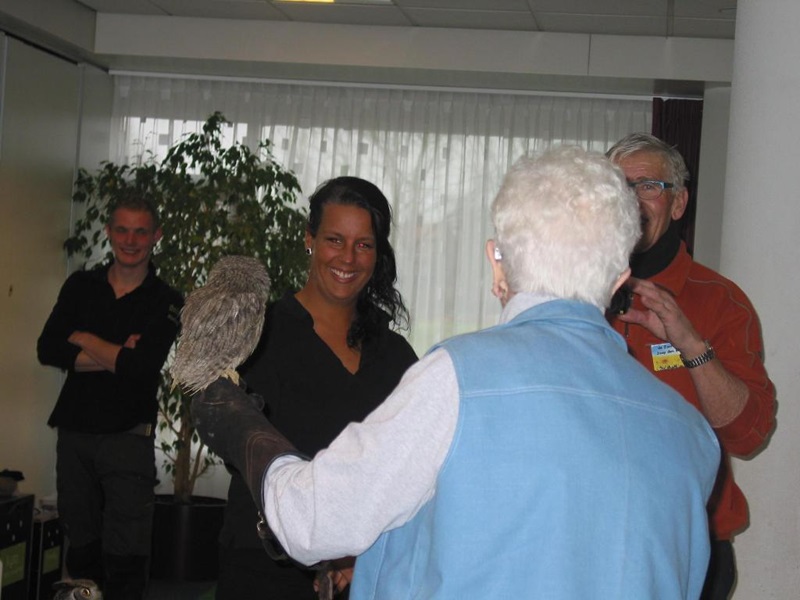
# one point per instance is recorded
(185, 539)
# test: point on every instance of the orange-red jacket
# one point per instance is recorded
(723, 315)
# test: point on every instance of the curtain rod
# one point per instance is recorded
(386, 86)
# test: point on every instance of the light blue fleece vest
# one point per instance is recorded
(573, 474)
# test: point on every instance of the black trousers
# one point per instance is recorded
(106, 500)
(249, 574)
(721, 571)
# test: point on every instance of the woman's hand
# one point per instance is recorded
(342, 578)
(337, 575)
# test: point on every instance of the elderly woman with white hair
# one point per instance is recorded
(533, 459)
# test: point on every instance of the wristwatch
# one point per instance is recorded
(699, 360)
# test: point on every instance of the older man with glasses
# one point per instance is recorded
(696, 331)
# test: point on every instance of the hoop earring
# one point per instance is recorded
(308, 251)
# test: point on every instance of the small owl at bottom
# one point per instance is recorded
(77, 589)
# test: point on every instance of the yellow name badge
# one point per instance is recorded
(665, 357)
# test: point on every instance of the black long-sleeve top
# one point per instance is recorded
(309, 395)
(101, 401)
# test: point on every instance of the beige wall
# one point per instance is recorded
(39, 137)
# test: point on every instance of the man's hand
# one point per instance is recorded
(722, 396)
(96, 351)
(663, 318)
(75, 338)
(131, 341)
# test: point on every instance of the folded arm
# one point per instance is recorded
(96, 353)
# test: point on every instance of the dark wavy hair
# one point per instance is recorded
(379, 303)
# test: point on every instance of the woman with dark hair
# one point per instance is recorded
(327, 357)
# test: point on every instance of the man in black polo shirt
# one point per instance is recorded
(111, 330)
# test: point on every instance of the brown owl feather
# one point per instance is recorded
(221, 323)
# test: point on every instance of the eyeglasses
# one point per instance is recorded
(649, 189)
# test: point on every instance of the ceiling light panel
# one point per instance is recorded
(517, 5)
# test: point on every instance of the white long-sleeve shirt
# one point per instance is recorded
(377, 474)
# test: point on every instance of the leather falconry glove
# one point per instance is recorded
(231, 424)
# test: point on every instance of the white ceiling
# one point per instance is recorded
(678, 18)
(582, 46)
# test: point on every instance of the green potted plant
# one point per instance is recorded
(214, 200)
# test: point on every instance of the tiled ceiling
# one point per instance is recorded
(671, 18)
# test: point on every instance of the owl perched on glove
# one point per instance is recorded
(221, 323)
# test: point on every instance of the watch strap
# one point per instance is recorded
(706, 356)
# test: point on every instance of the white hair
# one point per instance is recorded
(565, 224)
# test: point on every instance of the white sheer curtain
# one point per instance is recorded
(439, 156)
